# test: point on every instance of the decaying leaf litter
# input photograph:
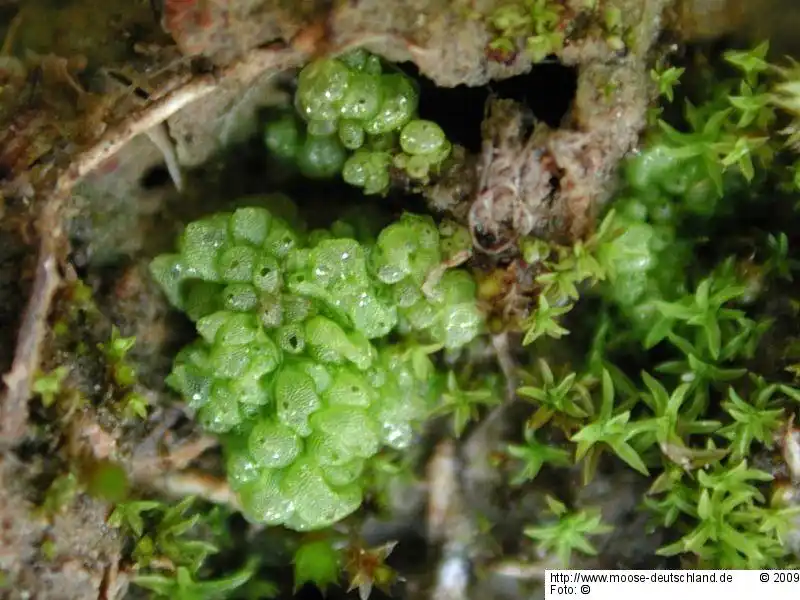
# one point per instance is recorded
(97, 100)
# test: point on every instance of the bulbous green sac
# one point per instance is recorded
(288, 366)
(382, 142)
(371, 315)
(291, 338)
(338, 260)
(223, 411)
(335, 273)
(449, 314)
(404, 256)
(417, 167)
(349, 387)
(342, 475)
(272, 445)
(344, 433)
(263, 499)
(297, 309)
(631, 251)
(170, 272)
(361, 61)
(323, 457)
(250, 225)
(422, 137)
(230, 362)
(406, 294)
(363, 98)
(228, 328)
(316, 503)
(407, 248)
(266, 274)
(283, 136)
(645, 260)
(651, 166)
(330, 343)
(352, 135)
(321, 128)
(421, 166)
(200, 298)
(455, 287)
(282, 239)
(408, 393)
(296, 398)
(321, 86)
(369, 170)
(321, 157)
(457, 325)
(399, 104)
(200, 244)
(236, 263)
(191, 375)
(240, 297)
(222, 375)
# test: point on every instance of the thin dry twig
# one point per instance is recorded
(159, 135)
(443, 491)
(449, 524)
(178, 457)
(507, 364)
(14, 403)
(522, 570)
(11, 34)
(492, 426)
(254, 64)
(193, 483)
(114, 583)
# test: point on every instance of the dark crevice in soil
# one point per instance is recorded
(548, 90)
(16, 263)
(156, 177)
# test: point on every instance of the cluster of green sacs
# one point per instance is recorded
(359, 121)
(649, 259)
(286, 368)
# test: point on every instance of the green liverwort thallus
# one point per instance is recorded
(289, 368)
(354, 118)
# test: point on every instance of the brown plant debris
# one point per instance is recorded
(515, 179)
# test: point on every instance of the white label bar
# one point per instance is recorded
(669, 585)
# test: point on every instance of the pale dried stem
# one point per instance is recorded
(491, 426)
(522, 570)
(180, 457)
(159, 135)
(11, 34)
(507, 364)
(193, 483)
(449, 523)
(114, 583)
(254, 64)
(177, 458)
(18, 381)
